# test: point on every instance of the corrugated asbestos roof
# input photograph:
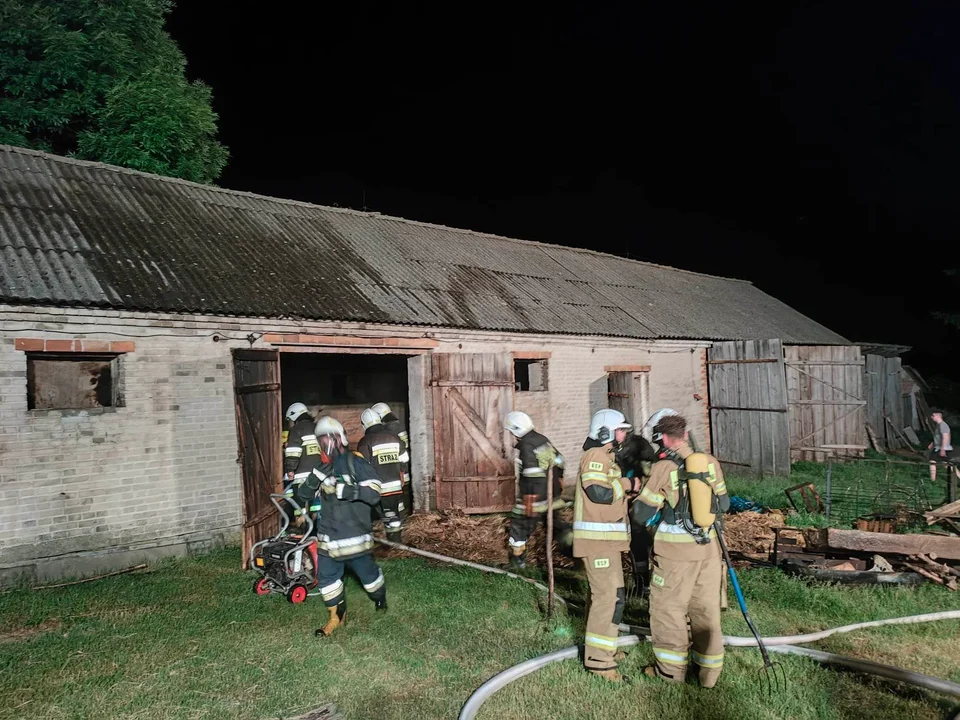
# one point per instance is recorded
(85, 234)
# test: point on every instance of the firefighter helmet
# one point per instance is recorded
(604, 423)
(381, 409)
(518, 423)
(295, 411)
(330, 426)
(369, 418)
(649, 429)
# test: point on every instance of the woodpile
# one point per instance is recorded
(927, 555)
(947, 515)
(927, 566)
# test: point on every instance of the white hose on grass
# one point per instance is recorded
(502, 679)
(735, 641)
(782, 644)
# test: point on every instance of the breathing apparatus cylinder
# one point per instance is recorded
(701, 494)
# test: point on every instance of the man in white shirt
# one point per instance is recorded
(940, 450)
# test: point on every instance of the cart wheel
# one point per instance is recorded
(297, 594)
(261, 587)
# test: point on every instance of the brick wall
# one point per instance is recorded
(160, 474)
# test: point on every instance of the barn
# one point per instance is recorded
(153, 331)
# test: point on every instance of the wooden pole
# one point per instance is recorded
(550, 476)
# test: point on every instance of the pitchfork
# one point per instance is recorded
(772, 676)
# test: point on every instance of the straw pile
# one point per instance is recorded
(483, 538)
(477, 538)
(751, 533)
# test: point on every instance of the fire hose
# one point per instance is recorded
(781, 644)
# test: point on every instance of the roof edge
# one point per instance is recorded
(348, 211)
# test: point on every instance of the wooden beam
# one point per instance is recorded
(828, 402)
(470, 383)
(626, 368)
(262, 387)
(748, 409)
(882, 543)
(793, 363)
(739, 362)
(530, 355)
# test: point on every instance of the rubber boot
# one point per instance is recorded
(518, 560)
(394, 536)
(380, 600)
(338, 614)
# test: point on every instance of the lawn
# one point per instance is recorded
(189, 639)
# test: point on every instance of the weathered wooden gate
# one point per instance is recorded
(826, 400)
(882, 390)
(472, 393)
(256, 381)
(748, 406)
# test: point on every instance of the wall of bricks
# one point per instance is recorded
(162, 470)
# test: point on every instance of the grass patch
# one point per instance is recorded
(899, 487)
(191, 640)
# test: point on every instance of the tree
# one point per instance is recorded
(103, 81)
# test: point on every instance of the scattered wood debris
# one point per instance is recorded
(324, 712)
(882, 543)
(946, 512)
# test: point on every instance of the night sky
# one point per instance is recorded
(814, 151)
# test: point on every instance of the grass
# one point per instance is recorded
(190, 640)
(859, 487)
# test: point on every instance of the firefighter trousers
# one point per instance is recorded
(682, 591)
(607, 598)
(523, 526)
(330, 577)
(393, 510)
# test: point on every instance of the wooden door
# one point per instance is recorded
(628, 392)
(256, 381)
(472, 393)
(748, 406)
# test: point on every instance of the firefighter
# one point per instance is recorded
(601, 533)
(393, 424)
(301, 453)
(538, 459)
(382, 449)
(348, 489)
(684, 487)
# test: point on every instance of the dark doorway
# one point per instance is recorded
(344, 385)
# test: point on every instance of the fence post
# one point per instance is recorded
(829, 487)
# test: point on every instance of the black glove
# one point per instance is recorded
(348, 492)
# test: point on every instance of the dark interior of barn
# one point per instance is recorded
(343, 385)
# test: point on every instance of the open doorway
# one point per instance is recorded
(345, 385)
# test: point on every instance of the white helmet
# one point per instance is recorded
(603, 424)
(330, 426)
(295, 411)
(652, 423)
(369, 418)
(381, 409)
(518, 423)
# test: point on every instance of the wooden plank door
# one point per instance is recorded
(256, 381)
(472, 393)
(748, 406)
(827, 401)
(628, 392)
